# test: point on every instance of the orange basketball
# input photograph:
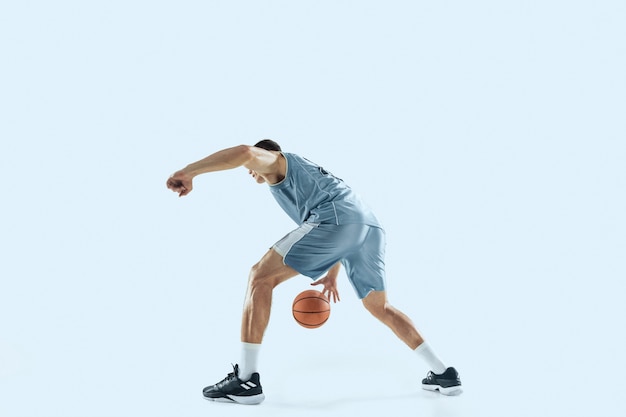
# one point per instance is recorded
(311, 309)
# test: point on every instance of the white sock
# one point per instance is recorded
(249, 360)
(426, 353)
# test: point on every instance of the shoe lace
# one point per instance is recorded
(231, 376)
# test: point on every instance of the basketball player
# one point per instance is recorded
(335, 228)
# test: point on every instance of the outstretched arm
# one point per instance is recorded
(251, 157)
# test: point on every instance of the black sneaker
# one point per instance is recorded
(447, 383)
(232, 389)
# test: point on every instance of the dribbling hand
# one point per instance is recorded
(330, 287)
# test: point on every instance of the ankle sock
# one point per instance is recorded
(425, 352)
(249, 360)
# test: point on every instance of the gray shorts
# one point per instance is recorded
(312, 249)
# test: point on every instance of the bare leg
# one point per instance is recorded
(377, 304)
(264, 277)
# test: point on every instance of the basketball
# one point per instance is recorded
(311, 309)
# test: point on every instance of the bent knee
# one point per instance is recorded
(378, 311)
(257, 274)
(260, 277)
(376, 303)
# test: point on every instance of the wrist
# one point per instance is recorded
(187, 172)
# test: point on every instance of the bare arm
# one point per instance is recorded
(250, 157)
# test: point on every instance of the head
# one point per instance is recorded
(268, 145)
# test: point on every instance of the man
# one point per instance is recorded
(335, 228)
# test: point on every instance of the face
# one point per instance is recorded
(259, 179)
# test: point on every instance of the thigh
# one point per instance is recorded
(271, 267)
(365, 267)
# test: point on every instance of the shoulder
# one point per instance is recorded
(258, 157)
(299, 159)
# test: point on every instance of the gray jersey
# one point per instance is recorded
(308, 193)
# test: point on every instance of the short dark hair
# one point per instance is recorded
(268, 145)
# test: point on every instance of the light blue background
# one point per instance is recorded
(489, 136)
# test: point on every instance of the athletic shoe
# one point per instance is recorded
(447, 383)
(232, 389)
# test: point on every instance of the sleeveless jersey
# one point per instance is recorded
(309, 193)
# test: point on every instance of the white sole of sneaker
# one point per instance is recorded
(245, 400)
(248, 400)
(445, 391)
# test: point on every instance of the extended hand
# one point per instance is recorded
(180, 183)
(330, 287)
